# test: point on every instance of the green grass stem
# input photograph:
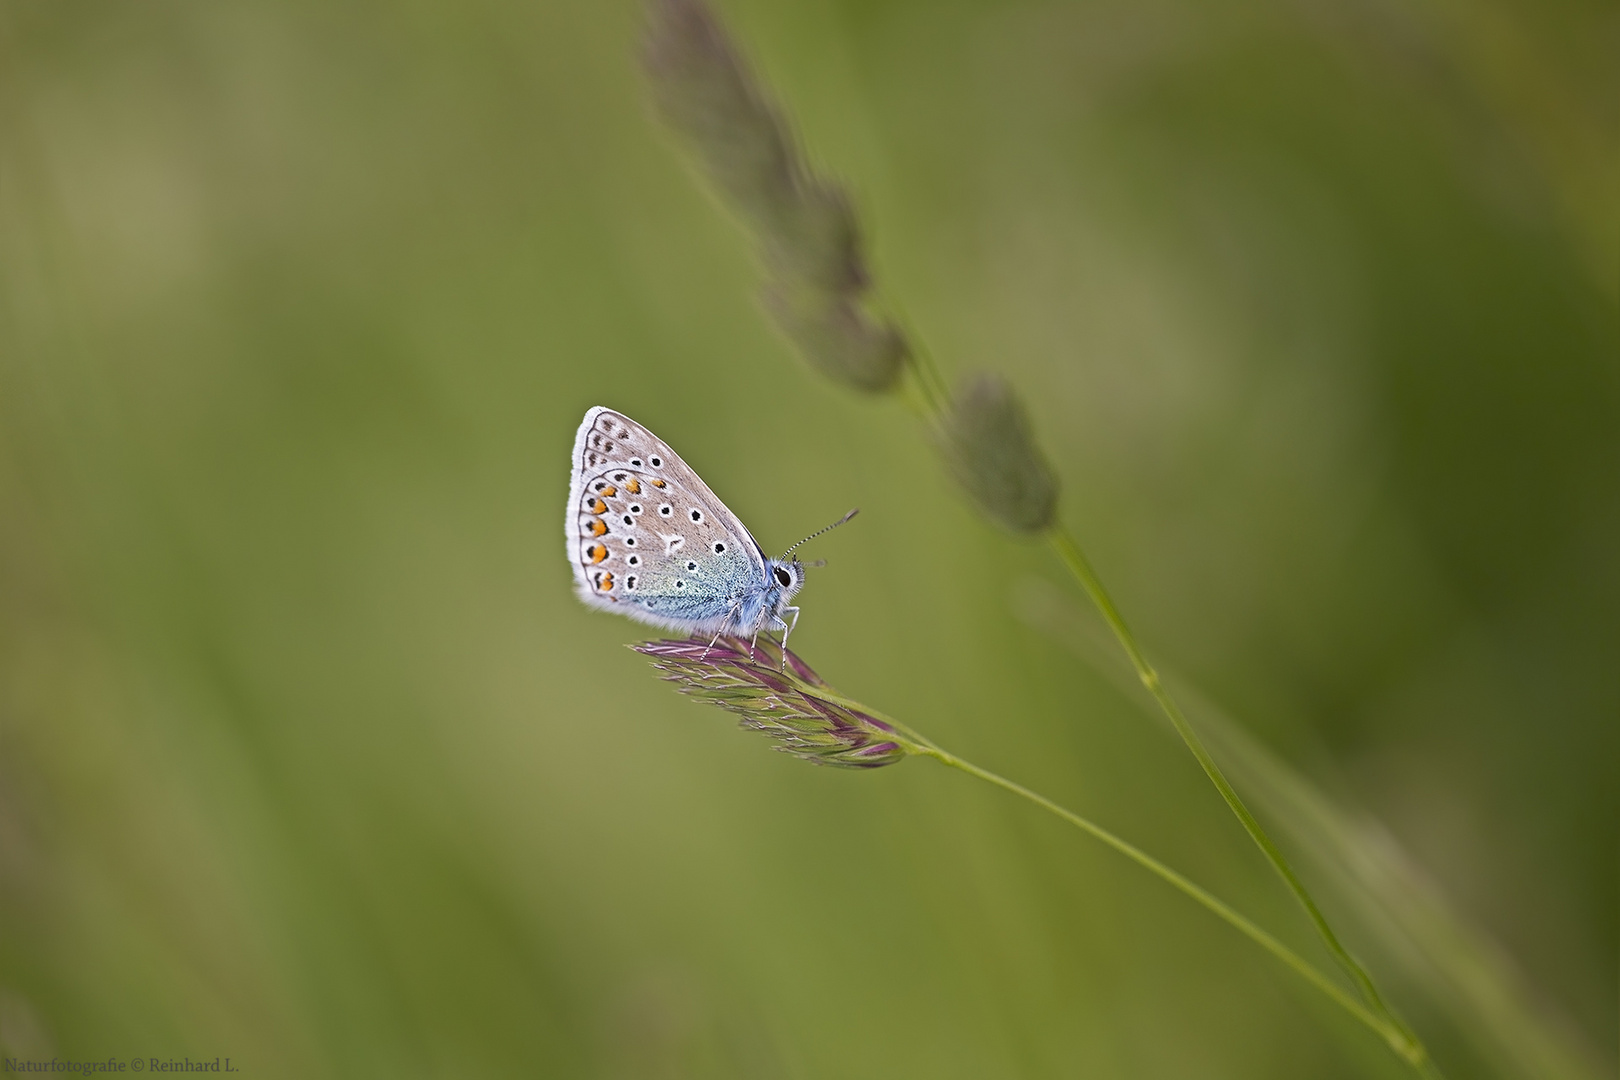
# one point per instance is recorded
(1391, 1033)
(1386, 1026)
(1408, 1044)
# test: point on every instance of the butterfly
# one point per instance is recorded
(648, 539)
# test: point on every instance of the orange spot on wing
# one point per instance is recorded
(596, 553)
(596, 506)
(609, 491)
(597, 527)
(606, 583)
(658, 483)
(633, 487)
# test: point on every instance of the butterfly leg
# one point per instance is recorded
(710, 645)
(732, 614)
(787, 628)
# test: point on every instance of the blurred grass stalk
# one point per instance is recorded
(809, 244)
(1465, 972)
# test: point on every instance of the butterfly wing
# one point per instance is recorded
(646, 536)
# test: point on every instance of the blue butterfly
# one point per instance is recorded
(648, 539)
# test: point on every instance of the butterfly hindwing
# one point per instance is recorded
(646, 536)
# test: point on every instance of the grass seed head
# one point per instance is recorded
(987, 444)
(802, 224)
(775, 693)
(838, 338)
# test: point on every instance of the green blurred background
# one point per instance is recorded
(309, 757)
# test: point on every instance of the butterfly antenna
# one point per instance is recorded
(818, 532)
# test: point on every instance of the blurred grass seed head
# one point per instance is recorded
(987, 444)
(839, 338)
(802, 224)
(811, 248)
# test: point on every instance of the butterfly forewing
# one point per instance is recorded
(646, 535)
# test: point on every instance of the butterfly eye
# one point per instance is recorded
(654, 462)
(629, 582)
(697, 515)
(619, 477)
(629, 541)
(691, 566)
(783, 578)
(718, 548)
(628, 520)
(636, 462)
(635, 508)
(634, 560)
(666, 510)
(679, 584)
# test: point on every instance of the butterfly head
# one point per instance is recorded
(787, 576)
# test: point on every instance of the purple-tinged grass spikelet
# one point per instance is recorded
(774, 692)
